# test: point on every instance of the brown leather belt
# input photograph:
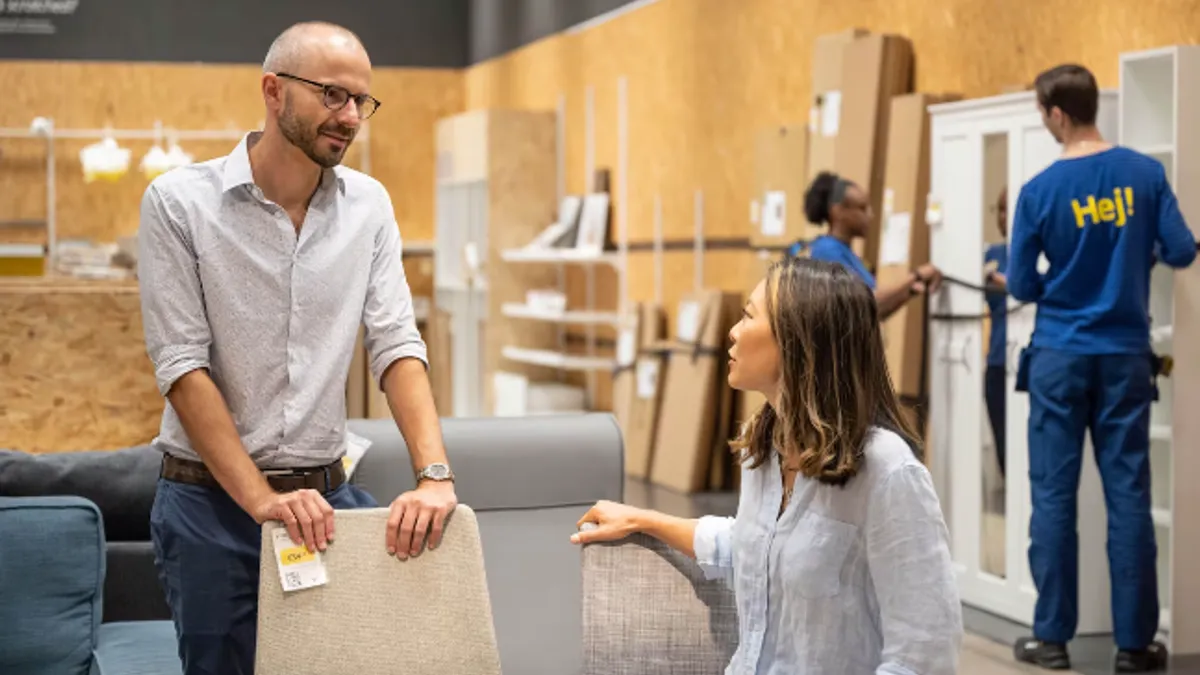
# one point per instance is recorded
(323, 479)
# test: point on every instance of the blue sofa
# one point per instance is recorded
(52, 576)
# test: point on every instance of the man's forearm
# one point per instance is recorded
(410, 399)
(209, 426)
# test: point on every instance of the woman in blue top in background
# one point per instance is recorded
(845, 207)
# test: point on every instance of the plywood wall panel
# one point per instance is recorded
(193, 96)
(704, 76)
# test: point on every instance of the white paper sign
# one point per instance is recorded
(647, 377)
(754, 211)
(687, 323)
(933, 212)
(626, 347)
(356, 447)
(889, 201)
(814, 119)
(774, 213)
(299, 568)
(897, 233)
(831, 113)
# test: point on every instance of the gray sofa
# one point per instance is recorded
(528, 479)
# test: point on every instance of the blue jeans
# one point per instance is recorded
(1110, 395)
(207, 550)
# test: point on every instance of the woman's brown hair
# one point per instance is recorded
(834, 382)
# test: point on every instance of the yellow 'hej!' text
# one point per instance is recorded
(1116, 210)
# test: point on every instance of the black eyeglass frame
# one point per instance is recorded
(326, 89)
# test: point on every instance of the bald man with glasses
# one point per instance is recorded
(256, 271)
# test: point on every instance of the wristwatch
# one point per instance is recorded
(437, 471)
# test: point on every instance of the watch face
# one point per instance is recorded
(438, 471)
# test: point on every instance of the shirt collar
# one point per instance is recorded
(238, 172)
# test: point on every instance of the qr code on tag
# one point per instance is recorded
(293, 579)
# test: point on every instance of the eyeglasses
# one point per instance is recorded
(336, 98)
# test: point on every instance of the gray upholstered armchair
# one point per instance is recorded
(648, 610)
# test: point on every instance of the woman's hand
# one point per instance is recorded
(612, 520)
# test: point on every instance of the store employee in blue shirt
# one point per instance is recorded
(1101, 215)
(845, 207)
(995, 261)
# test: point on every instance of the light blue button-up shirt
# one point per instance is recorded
(853, 580)
(229, 286)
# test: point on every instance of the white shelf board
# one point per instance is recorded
(559, 255)
(1158, 150)
(553, 359)
(515, 310)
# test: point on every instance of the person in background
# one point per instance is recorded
(256, 271)
(844, 206)
(995, 261)
(839, 555)
(1098, 214)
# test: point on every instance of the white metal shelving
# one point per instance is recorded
(588, 316)
(1160, 98)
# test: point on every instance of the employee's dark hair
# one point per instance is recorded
(826, 190)
(1072, 89)
(834, 382)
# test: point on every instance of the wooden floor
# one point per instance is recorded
(981, 656)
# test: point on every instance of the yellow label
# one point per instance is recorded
(295, 555)
(1116, 210)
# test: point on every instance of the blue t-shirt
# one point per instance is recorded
(997, 306)
(832, 249)
(1100, 220)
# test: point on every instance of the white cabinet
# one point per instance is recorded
(1160, 101)
(979, 146)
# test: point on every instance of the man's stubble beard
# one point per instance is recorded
(304, 136)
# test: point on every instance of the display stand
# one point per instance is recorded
(558, 356)
(496, 189)
(961, 133)
(1160, 96)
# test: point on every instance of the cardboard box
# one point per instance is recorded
(825, 115)
(636, 391)
(905, 236)
(694, 418)
(781, 177)
(875, 68)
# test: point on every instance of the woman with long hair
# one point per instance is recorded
(845, 207)
(838, 555)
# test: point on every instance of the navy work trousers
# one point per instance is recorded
(207, 552)
(1110, 396)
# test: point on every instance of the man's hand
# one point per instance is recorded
(305, 513)
(416, 513)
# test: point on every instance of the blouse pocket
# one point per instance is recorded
(815, 555)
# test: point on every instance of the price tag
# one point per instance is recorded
(299, 568)
(687, 323)
(933, 212)
(626, 347)
(647, 377)
(889, 202)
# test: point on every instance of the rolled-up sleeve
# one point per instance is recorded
(713, 546)
(174, 319)
(388, 318)
(909, 557)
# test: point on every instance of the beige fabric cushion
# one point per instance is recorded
(428, 615)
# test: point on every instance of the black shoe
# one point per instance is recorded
(1151, 659)
(1048, 655)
